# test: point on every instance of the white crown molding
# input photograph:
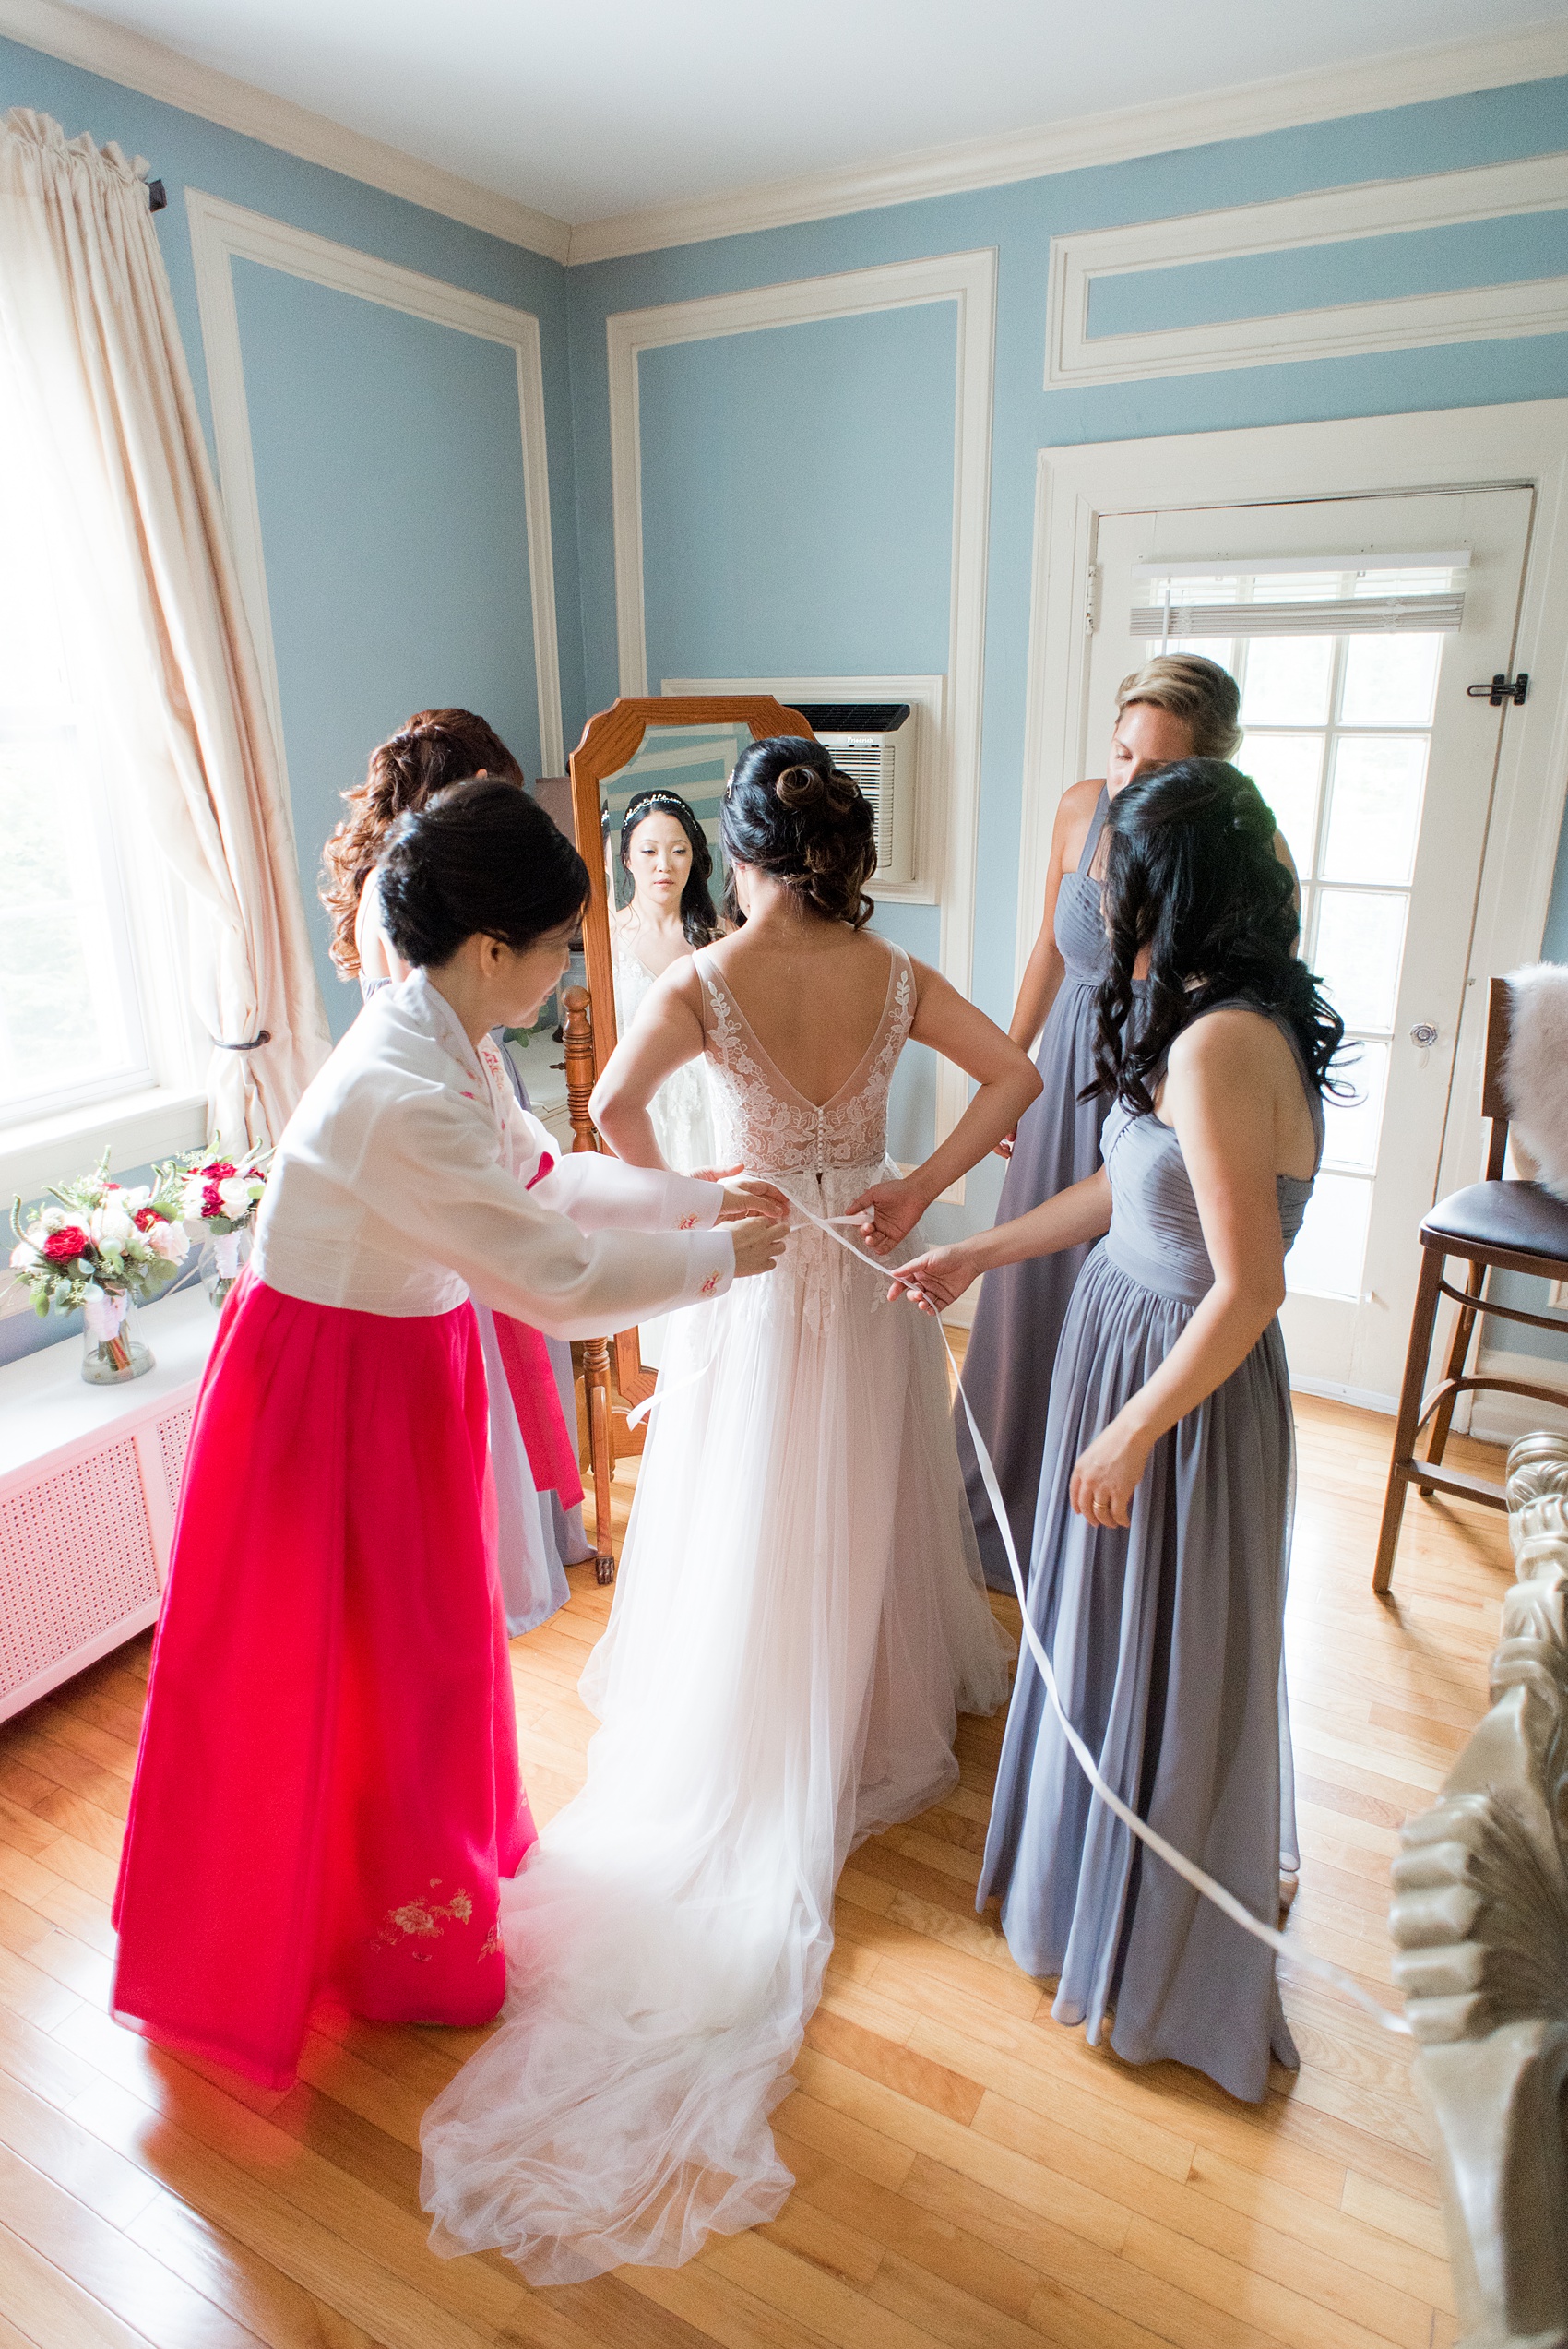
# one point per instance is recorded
(223, 232)
(1402, 77)
(119, 54)
(968, 280)
(1329, 216)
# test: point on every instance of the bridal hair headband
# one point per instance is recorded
(648, 801)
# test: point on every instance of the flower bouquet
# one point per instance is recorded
(216, 1198)
(106, 1249)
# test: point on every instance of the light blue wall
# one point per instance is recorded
(798, 497)
(388, 452)
(396, 547)
(713, 441)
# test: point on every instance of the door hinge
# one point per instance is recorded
(1502, 689)
(1092, 601)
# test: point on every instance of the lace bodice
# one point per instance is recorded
(767, 1127)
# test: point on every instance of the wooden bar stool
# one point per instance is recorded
(1520, 1227)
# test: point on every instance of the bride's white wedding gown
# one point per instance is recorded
(800, 1619)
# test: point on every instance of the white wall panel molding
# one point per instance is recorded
(119, 54)
(1403, 77)
(968, 280)
(1329, 216)
(222, 233)
(1514, 444)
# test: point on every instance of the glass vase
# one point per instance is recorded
(112, 1346)
(224, 1256)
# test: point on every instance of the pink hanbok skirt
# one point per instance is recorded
(327, 1789)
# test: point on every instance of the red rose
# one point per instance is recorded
(219, 1172)
(61, 1246)
(211, 1202)
(145, 1218)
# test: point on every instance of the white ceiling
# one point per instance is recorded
(585, 108)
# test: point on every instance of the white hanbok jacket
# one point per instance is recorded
(409, 1177)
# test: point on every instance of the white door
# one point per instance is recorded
(1379, 764)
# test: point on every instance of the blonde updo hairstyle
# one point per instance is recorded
(1205, 696)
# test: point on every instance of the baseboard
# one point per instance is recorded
(960, 1314)
(1362, 1398)
(1502, 1419)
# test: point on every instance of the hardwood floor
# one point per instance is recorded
(969, 2172)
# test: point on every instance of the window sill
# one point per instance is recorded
(135, 1129)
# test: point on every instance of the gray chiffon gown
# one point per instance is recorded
(1166, 1638)
(1021, 1308)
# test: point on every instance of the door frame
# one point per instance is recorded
(1512, 445)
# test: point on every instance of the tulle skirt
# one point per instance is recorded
(800, 1619)
(327, 1793)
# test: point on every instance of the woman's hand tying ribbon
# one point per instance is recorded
(889, 1209)
(743, 1199)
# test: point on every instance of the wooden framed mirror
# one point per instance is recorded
(687, 745)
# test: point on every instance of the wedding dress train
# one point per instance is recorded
(800, 1619)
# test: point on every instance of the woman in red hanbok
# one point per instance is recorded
(327, 1790)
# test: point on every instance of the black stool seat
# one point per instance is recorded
(1525, 1218)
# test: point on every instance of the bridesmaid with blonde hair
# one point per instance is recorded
(1176, 706)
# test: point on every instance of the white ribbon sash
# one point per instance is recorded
(1226, 1902)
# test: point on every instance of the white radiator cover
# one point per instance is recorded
(89, 1481)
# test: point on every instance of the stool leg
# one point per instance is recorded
(1443, 1419)
(1402, 1465)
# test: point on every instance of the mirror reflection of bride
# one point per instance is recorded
(800, 1616)
(665, 852)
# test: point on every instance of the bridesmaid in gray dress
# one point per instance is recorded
(1177, 706)
(1157, 1582)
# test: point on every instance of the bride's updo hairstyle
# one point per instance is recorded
(483, 857)
(1190, 873)
(790, 813)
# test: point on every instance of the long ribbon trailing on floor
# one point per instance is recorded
(1336, 1976)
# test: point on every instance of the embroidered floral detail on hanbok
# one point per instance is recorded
(687, 1224)
(421, 1920)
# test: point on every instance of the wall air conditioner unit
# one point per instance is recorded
(876, 743)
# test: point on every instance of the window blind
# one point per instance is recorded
(1301, 595)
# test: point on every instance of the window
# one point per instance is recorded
(1337, 722)
(71, 1024)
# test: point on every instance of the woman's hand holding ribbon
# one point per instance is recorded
(891, 1210)
(742, 1200)
(933, 1280)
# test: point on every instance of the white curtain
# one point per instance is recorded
(89, 334)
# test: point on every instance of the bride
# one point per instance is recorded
(800, 1616)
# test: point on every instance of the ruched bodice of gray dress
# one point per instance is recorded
(1021, 1308)
(1167, 1641)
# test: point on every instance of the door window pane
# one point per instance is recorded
(1287, 681)
(1331, 1247)
(1375, 812)
(1287, 770)
(1360, 936)
(1390, 680)
(1352, 1122)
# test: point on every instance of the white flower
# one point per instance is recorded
(23, 1256)
(236, 1194)
(110, 1226)
(168, 1241)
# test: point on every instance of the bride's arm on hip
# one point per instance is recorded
(665, 1034)
(1007, 1081)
